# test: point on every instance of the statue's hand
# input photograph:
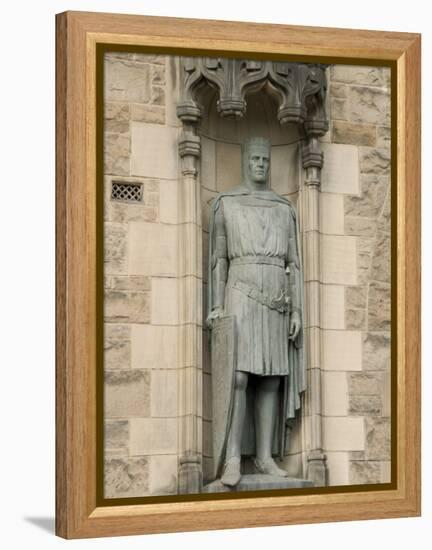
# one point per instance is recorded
(295, 325)
(217, 313)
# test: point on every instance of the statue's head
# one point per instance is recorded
(256, 160)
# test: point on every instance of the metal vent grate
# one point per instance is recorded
(126, 191)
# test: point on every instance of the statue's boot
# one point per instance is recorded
(231, 474)
(269, 467)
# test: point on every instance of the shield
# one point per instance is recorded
(223, 361)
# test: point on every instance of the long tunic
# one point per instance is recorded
(260, 244)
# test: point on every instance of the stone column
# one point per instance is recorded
(312, 160)
(190, 299)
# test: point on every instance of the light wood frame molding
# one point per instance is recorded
(78, 34)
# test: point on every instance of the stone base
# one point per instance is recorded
(257, 482)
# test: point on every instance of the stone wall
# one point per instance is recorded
(356, 389)
(140, 261)
(150, 385)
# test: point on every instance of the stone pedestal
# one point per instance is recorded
(258, 482)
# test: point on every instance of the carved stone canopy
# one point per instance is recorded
(300, 89)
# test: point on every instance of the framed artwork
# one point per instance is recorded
(238, 259)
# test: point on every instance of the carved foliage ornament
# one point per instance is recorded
(300, 89)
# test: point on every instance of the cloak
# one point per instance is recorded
(294, 384)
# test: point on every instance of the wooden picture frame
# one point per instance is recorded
(78, 514)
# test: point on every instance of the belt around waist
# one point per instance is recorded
(268, 260)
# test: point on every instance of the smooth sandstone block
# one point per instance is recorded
(343, 434)
(153, 249)
(163, 474)
(338, 468)
(338, 260)
(165, 301)
(154, 151)
(341, 350)
(340, 173)
(164, 392)
(334, 393)
(154, 347)
(332, 307)
(153, 436)
(331, 213)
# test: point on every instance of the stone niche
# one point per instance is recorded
(222, 102)
(220, 169)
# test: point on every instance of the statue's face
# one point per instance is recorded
(258, 163)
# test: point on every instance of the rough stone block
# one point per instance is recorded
(359, 226)
(116, 111)
(376, 350)
(381, 263)
(365, 247)
(153, 249)
(116, 434)
(365, 405)
(126, 477)
(153, 436)
(339, 108)
(125, 81)
(374, 161)
(163, 475)
(363, 472)
(115, 248)
(340, 173)
(127, 307)
(383, 137)
(117, 154)
(338, 90)
(366, 76)
(117, 352)
(158, 95)
(130, 282)
(127, 393)
(341, 350)
(378, 438)
(153, 114)
(379, 314)
(355, 319)
(154, 347)
(355, 297)
(353, 133)
(369, 105)
(157, 74)
(384, 220)
(365, 383)
(370, 203)
(154, 151)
